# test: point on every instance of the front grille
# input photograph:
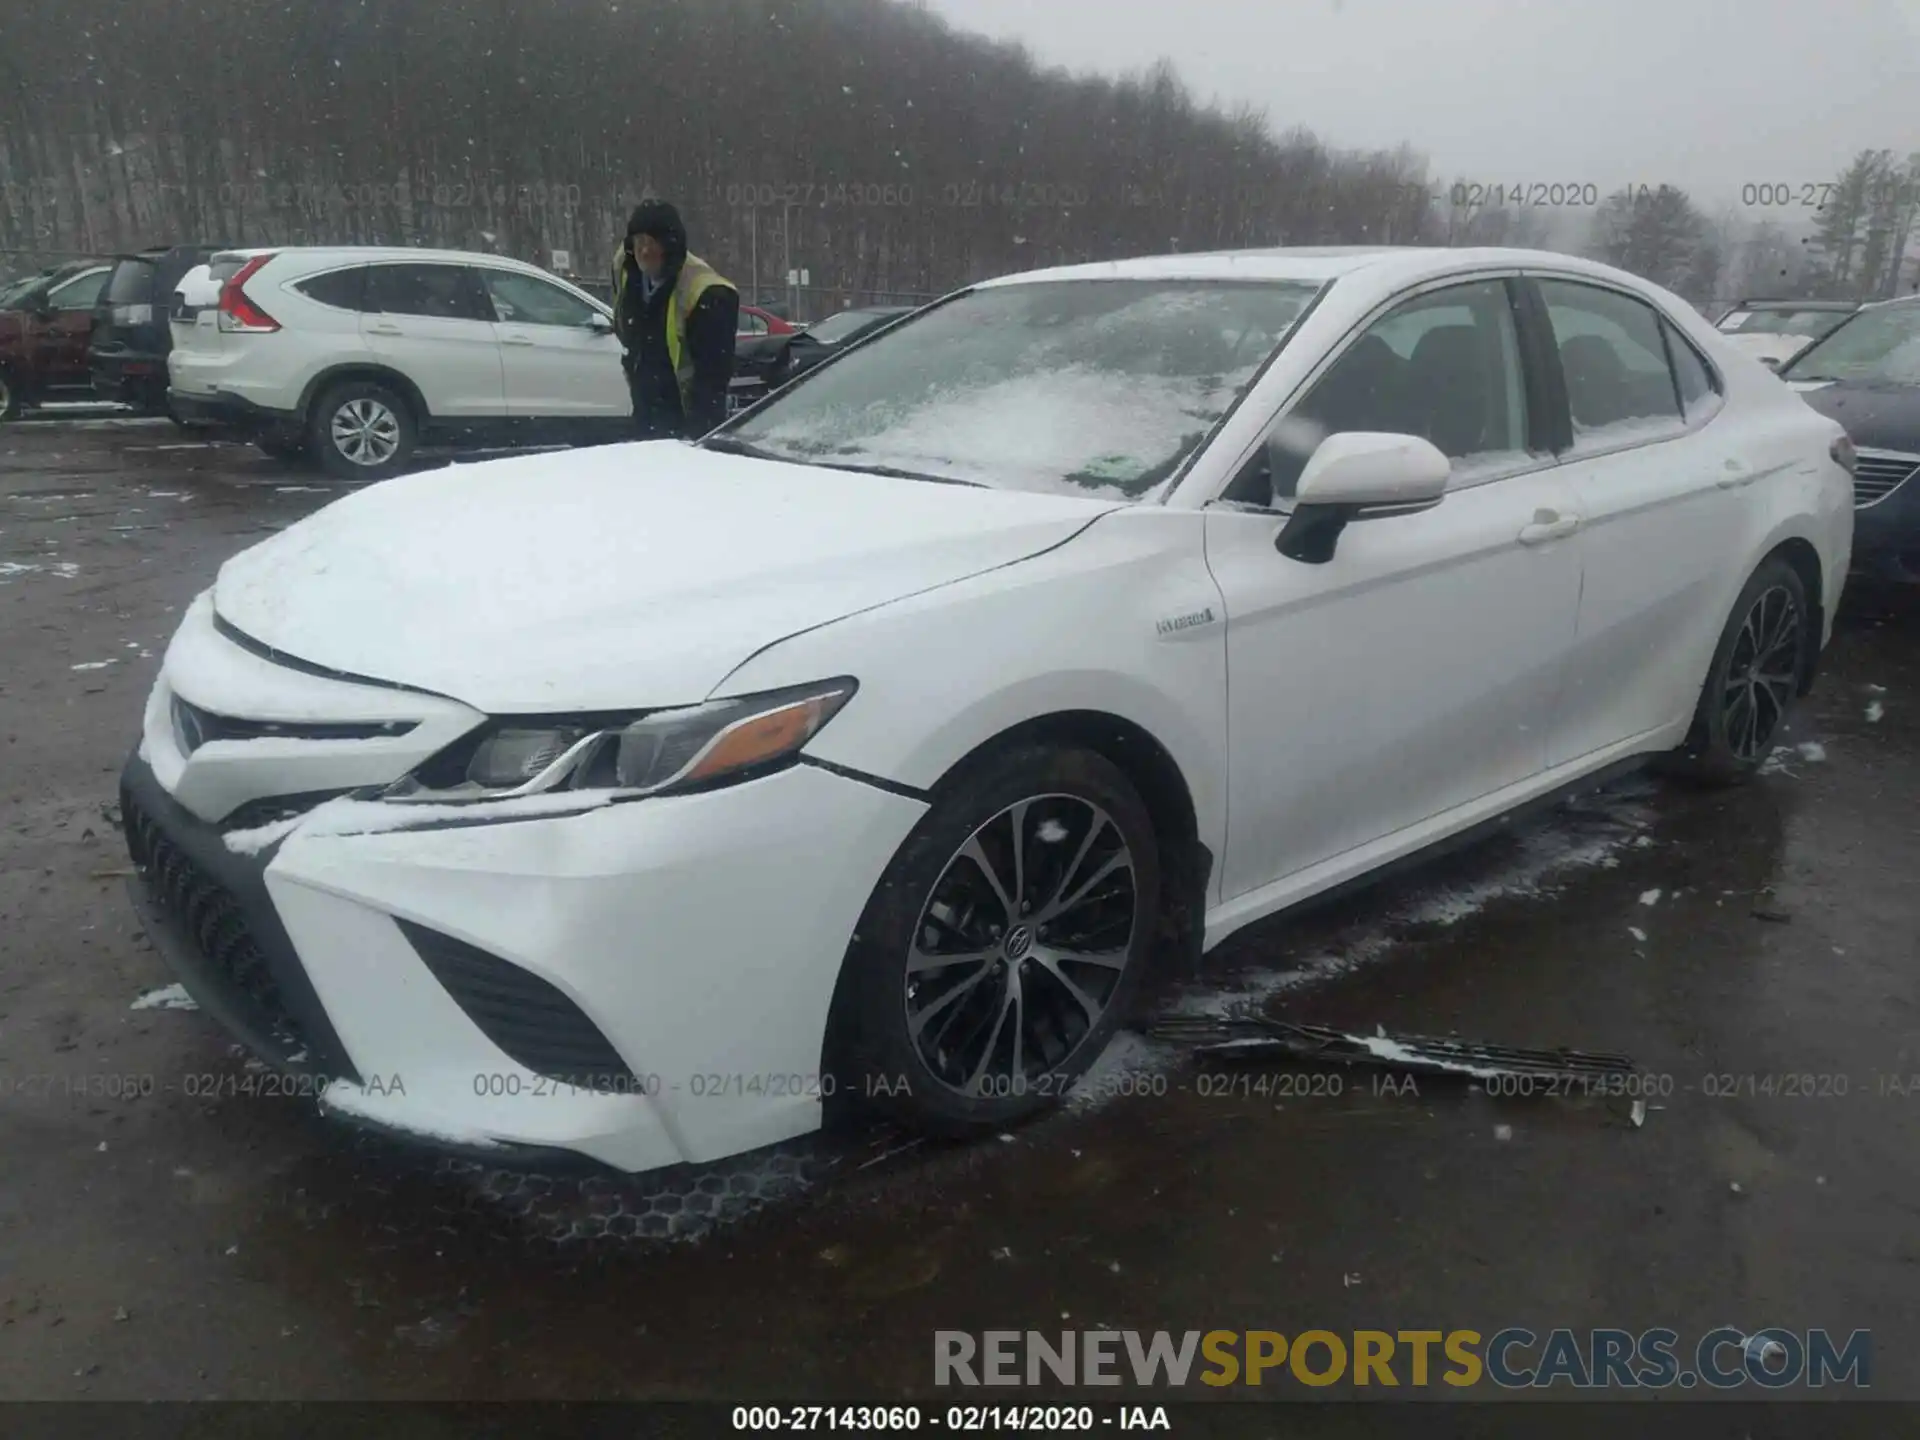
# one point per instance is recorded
(194, 727)
(1878, 473)
(532, 1021)
(213, 920)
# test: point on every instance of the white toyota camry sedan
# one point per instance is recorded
(644, 803)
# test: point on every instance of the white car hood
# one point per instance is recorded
(628, 576)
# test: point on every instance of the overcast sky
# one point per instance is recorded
(1707, 94)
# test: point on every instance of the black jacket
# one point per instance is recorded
(708, 341)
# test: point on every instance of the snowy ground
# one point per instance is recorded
(169, 1230)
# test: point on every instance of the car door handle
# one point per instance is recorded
(385, 327)
(516, 340)
(1548, 525)
(1734, 473)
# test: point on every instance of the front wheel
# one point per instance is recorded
(360, 430)
(1005, 942)
(1754, 680)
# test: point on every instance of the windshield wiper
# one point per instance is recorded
(727, 445)
(893, 472)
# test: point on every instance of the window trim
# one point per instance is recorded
(300, 285)
(1531, 278)
(553, 282)
(1508, 275)
(104, 272)
(472, 272)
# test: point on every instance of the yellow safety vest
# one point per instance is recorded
(696, 278)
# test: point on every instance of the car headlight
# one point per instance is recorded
(648, 754)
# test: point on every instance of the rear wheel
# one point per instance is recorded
(361, 430)
(1754, 680)
(1005, 943)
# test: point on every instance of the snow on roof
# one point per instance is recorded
(1316, 264)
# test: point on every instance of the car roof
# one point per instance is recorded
(1778, 304)
(374, 253)
(1317, 265)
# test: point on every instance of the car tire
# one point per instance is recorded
(361, 430)
(930, 1045)
(1753, 682)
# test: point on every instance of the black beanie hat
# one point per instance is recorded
(658, 219)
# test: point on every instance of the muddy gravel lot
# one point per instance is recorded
(191, 1239)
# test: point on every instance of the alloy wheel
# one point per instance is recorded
(1021, 946)
(366, 432)
(1763, 672)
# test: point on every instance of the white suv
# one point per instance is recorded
(356, 354)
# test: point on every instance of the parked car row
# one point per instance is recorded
(443, 346)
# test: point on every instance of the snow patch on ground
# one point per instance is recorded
(1650, 897)
(1548, 852)
(91, 665)
(168, 997)
(13, 569)
(1639, 935)
(1811, 751)
(1128, 1057)
(1875, 710)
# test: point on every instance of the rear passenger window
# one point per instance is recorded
(1698, 394)
(342, 289)
(1619, 386)
(442, 292)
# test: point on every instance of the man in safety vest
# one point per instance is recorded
(676, 317)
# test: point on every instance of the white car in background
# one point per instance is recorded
(1774, 331)
(641, 803)
(355, 355)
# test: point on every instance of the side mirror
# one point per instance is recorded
(41, 307)
(1359, 475)
(599, 324)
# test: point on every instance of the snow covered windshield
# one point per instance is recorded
(1878, 345)
(1070, 386)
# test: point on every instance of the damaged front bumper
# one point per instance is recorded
(644, 984)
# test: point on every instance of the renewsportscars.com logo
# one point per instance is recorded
(1513, 1358)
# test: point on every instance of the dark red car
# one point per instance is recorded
(46, 321)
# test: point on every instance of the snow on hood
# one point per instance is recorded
(628, 576)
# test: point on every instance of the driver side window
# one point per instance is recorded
(81, 293)
(1444, 366)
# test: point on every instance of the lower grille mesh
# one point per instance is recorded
(213, 919)
(532, 1021)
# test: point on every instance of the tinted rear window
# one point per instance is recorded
(132, 284)
(443, 292)
(342, 289)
